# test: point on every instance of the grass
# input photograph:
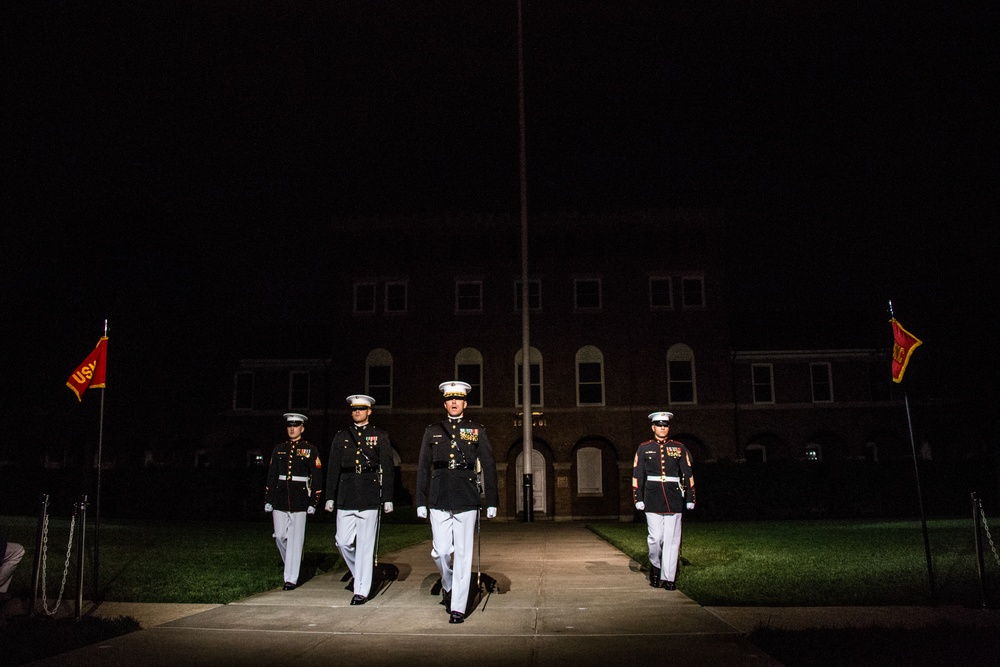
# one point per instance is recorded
(819, 563)
(188, 562)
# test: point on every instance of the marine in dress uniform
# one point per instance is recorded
(359, 478)
(451, 452)
(663, 487)
(293, 490)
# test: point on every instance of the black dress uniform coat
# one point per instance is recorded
(653, 461)
(448, 455)
(353, 469)
(294, 479)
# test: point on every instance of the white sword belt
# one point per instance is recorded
(664, 478)
(296, 479)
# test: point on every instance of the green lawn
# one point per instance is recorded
(199, 562)
(817, 563)
(774, 563)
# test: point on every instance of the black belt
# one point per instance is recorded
(357, 470)
(451, 465)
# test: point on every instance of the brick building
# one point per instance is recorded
(628, 316)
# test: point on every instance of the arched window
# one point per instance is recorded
(589, 376)
(535, 368)
(469, 368)
(755, 453)
(681, 384)
(378, 377)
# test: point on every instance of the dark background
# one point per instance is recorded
(182, 169)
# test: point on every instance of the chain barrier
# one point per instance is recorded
(986, 527)
(45, 549)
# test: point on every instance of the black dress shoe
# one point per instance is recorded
(654, 577)
(670, 586)
(456, 617)
(359, 599)
(289, 586)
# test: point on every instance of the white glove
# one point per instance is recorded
(387, 507)
(329, 506)
(690, 506)
(491, 512)
(310, 510)
(421, 512)
(640, 505)
(268, 507)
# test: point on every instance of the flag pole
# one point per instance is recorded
(97, 507)
(920, 494)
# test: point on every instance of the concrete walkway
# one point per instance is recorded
(564, 596)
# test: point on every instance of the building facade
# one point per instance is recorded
(628, 315)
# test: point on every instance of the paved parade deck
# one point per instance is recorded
(563, 596)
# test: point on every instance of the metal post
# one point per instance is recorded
(920, 501)
(82, 528)
(526, 437)
(39, 536)
(977, 528)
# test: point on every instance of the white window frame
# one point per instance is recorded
(532, 282)
(459, 284)
(379, 358)
(754, 383)
(685, 280)
(534, 359)
(670, 293)
(470, 356)
(829, 380)
(678, 353)
(406, 297)
(589, 354)
(369, 284)
(576, 294)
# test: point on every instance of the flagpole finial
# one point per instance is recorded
(891, 314)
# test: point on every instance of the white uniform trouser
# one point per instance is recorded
(290, 536)
(664, 543)
(8, 563)
(356, 541)
(454, 533)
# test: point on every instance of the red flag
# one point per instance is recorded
(91, 372)
(904, 343)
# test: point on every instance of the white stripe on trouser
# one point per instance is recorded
(356, 541)
(664, 543)
(9, 559)
(290, 536)
(454, 532)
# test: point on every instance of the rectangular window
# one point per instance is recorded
(763, 383)
(243, 391)
(589, 473)
(364, 297)
(473, 375)
(380, 385)
(587, 293)
(693, 292)
(660, 294)
(298, 390)
(822, 385)
(469, 296)
(590, 387)
(534, 295)
(395, 297)
(536, 384)
(681, 382)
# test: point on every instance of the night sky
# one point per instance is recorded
(163, 162)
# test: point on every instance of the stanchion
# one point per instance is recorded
(36, 570)
(977, 509)
(79, 556)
